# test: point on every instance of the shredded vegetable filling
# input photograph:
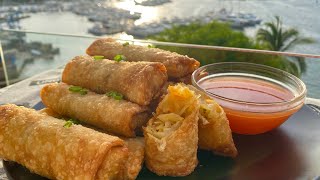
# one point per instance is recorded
(173, 109)
(164, 124)
(209, 110)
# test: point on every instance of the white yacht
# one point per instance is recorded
(151, 2)
(100, 29)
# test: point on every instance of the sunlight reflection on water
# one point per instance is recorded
(148, 14)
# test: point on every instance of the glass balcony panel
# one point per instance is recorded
(30, 53)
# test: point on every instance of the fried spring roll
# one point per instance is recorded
(214, 130)
(47, 147)
(113, 167)
(138, 82)
(50, 112)
(119, 117)
(177, 65)
(171, 136)
(186, 79)
(136, 157)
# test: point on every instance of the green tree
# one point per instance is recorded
(279, 39)
(220, 34)
(276, 38)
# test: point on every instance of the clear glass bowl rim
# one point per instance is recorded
(300, 97)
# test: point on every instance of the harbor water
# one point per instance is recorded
(302, 15)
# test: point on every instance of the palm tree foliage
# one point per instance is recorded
(220, 34)
(279, 39)
(276, 38)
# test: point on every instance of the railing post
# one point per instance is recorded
(4, 67)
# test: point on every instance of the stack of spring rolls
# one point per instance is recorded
(113, 101)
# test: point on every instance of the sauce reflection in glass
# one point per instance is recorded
(256, 98)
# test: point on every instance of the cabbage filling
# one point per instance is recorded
(165, 124)
(209, 110)
(174, 108)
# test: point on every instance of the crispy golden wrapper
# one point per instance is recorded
(214, 130)
(113, 167)
(135, 158)
(186, 79)
(138, 82)
(177, 65)
(50, 112)
(172, 134)
(120, 117)
(45, 146)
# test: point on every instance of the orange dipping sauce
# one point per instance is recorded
(253, 104)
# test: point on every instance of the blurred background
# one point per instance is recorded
(38, 35)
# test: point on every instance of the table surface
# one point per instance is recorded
(289, 149)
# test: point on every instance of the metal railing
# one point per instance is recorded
(218, 48)
(78, 43)
(4, 67)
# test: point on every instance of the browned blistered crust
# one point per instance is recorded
(186, 79)
(135, 158)
(179, 157)
(114, 165)
(139, 82)
(44, 146)
(119, 117)
(50, 112)
(215, 134)
(177, 65)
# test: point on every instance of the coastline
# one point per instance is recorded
(67, 22)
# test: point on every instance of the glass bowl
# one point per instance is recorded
(256, 98)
